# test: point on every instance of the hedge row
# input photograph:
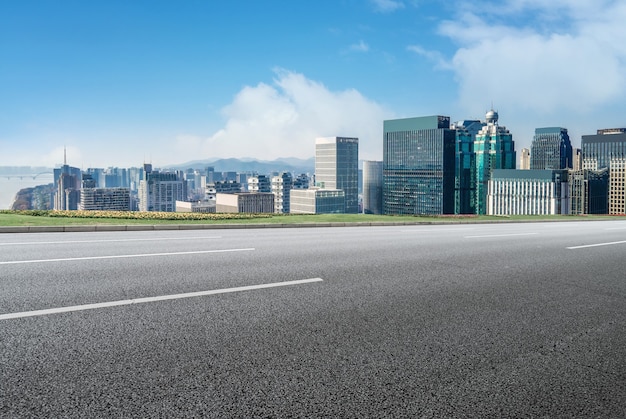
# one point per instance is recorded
(138, 215)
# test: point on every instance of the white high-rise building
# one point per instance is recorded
(337, 167)
(159, 191)
(281, 188)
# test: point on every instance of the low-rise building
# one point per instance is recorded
(528, 192)
(248, 202)
(317, 201)
(104, 199)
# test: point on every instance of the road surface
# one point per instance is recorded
(508, 320)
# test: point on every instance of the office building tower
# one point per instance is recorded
(211, 175)
(230, 176)
(607, 150)
(372, 187)
(67, 186)
(524, 160)
(301, 181)
(528, 192)
(617, 187)
(98, 175)
(577, 159)
(225, 186)
(589, 191)
(88, 181)
(281, 188)
(494, 149)
(259, 183)
(159, 191)
(465, 165)
(418, 166)
(337, 167)
(598, 150)
(551, 149)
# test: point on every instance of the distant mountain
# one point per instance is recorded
(289, 164)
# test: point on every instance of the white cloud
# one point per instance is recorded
(387, 6)
(360, 47)
(284, 118)
(435, 56)
(549, 61)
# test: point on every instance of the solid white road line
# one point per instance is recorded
(500, 235)
(109, 241)
(198, 252)
(153, 299)
(595, 245)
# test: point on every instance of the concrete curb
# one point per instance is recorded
(152, 227)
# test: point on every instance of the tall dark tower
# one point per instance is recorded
(551, 149)
(418, 166)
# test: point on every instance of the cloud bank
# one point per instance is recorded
(283, 119)
(567, 55)
(558, 63)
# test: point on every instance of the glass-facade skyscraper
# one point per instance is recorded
(418, 166)
(494, 149)
(551, 149)
(465, 166)
(373, 187)
(598, 150)
(607, 150)
(337, 167)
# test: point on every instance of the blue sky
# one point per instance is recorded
(123, 82)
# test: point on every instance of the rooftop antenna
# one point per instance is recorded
(64, 156)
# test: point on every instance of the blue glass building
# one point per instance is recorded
(418, 166)
(494, 149)
(551, 149)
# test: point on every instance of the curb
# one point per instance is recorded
(154, 227)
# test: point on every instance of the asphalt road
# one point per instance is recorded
(512, 320)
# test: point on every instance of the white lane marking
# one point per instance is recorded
(595, 245)
(501, 235)
(153, 299)
(108, 241)
(197, 252)
(436, 230)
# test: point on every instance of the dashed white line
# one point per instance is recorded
(197, 252)
(153, 299)
(595, 245)
(501, 235)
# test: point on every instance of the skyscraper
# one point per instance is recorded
(607, 150)
(373, 187)
(281, 188)
(465, 166)
(337, 167)
(598, 150)
(524, 161)
(418, 166)
(67, 186)
(494, 149)
(159, 191)
(551, 149)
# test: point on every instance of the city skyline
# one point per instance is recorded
(120, 83)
